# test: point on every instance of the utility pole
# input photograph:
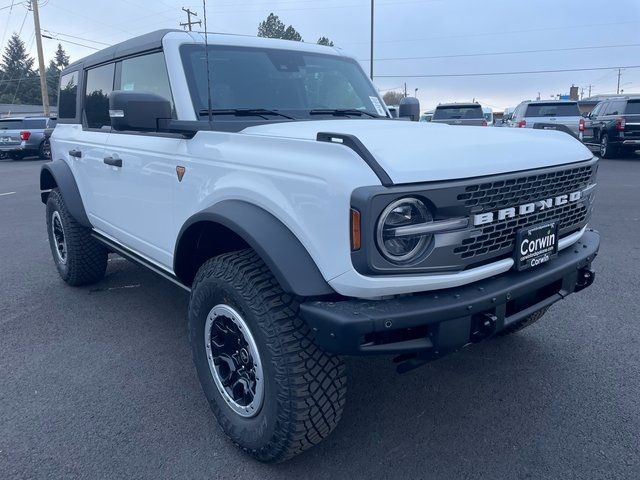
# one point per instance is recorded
(589, 86)
(581, 93)
(619, 75)
(33, 4)
(372, 25)
(405, 90)
(189, 23)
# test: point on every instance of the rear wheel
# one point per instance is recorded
(79, 258)
(525, 322)
(44, 152)
(606, 149)
(273, 391)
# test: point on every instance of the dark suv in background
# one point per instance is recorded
(26, 136)
(614, 126)
(460, 114)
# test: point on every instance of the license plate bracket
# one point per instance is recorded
(536, 245)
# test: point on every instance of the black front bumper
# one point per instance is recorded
(436, 323)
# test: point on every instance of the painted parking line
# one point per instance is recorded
(8, 193)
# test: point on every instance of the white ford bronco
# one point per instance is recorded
(267, 178)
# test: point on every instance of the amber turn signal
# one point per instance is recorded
(355, 229)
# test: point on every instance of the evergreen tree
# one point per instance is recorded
(56, 66)
(325, 41)
(19, 83)
(273, 27)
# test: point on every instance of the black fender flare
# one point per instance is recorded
(58, 174)
(278, 247)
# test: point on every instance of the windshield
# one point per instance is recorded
(279, 80)
(553, 110)
(633, 107)
(458, 113)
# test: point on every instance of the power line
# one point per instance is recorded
(77, 38)
(483, 74)
(49, 37)
(568, 49)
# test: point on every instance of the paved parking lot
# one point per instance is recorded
(98, 382)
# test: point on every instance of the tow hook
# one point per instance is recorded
(586, 277)
(485, 326)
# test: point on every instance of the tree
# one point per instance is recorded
(273, 27)
(392, 97)
(56, 66)
(325, 41)
(19, 82)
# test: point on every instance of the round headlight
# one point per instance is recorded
(399, 244)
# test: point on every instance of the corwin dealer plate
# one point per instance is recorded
(536, 245)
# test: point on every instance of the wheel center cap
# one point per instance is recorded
(244, 356)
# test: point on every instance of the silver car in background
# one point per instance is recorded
(26, 136)
(549, 115)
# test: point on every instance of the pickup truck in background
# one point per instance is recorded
(460, 114)
(614, 126)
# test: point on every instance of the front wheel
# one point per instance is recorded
(273, 391)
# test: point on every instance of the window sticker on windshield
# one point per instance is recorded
(128, 87)
(378, 106)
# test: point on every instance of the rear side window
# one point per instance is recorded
(458, 113)
(633, 108)
(96, 100)
(615, 108)
(35, 123)
(147, 73)
(553, 110)
(67, 98)
(11, 124)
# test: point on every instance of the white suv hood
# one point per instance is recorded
(419, 152)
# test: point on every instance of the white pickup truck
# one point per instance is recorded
(266, 178)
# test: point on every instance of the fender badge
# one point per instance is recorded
(180, 171)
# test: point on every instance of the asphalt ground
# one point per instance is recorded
(97, 382)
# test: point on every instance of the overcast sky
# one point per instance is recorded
(458, 30)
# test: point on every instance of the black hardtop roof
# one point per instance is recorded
(143, 43)
(459, 105)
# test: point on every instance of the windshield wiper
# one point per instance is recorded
(244, 112)
(344, 112)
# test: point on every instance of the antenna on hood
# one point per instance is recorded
(206, 55)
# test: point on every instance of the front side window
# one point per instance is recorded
(96, 100)
(67, 98)
(299, 84)
(147, 73)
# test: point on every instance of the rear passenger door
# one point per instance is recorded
(591, 125)
(138, 196)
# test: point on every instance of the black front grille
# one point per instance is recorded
(498, 238)
(516, 191)
(501, 236)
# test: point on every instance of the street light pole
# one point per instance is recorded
(372, 24)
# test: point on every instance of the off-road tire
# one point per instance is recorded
(525, 322)
(305, 387)
(86, 259)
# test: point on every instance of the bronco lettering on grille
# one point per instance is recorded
(526, 209)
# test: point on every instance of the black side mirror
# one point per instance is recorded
(137, 111)
(586, 114)
(410, 109)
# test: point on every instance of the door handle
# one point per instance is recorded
(75, 153)
(114, 162)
